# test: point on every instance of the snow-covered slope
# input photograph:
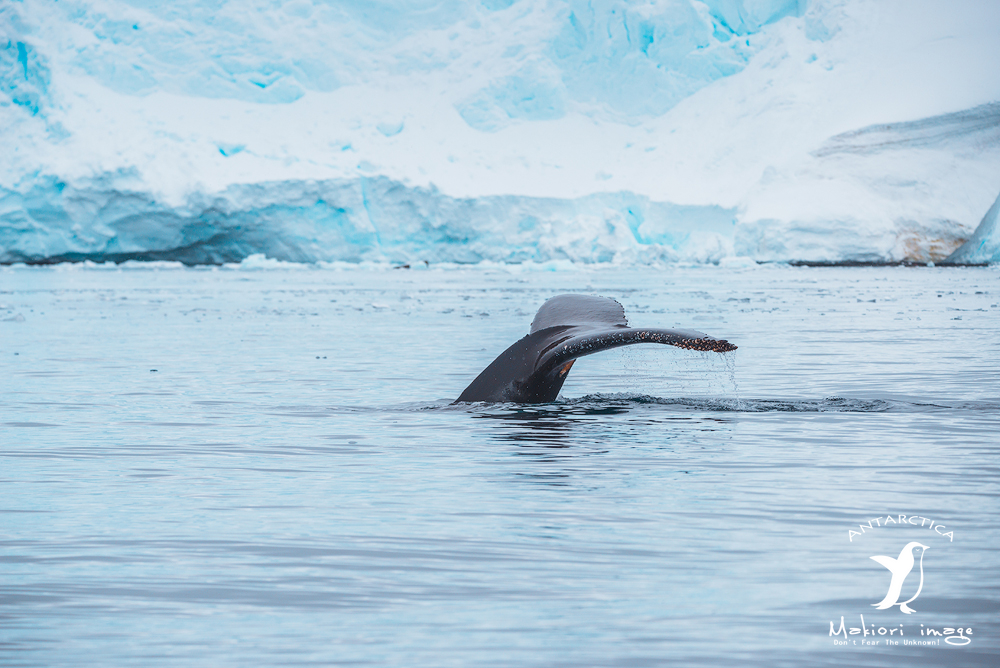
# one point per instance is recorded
(820, 130)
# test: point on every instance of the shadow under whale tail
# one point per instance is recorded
(565, 328)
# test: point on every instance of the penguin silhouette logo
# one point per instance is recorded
(900, 567)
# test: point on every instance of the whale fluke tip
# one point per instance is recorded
(707, 345)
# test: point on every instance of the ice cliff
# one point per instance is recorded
(609, 130)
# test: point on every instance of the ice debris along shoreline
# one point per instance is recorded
(812, 131)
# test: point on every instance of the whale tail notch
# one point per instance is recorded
(566, 328)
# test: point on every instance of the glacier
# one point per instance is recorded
(362, 220)
(814, 131)
(984, 246)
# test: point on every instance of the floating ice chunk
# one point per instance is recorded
(738, 262)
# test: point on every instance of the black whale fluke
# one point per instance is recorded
(566, 327)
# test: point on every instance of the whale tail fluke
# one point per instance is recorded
(566, 328)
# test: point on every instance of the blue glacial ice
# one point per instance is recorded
(508, 131)
(367, 219)
(984, 245)
(23, 75)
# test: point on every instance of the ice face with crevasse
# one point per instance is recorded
(502, 131)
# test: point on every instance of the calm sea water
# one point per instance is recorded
(230, 468)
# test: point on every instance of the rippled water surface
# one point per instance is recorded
(231, 468)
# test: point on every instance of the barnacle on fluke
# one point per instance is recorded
(567, 327)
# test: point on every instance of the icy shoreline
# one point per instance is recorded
(368, 219)
(382, 221)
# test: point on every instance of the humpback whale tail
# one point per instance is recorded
(566, 327)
